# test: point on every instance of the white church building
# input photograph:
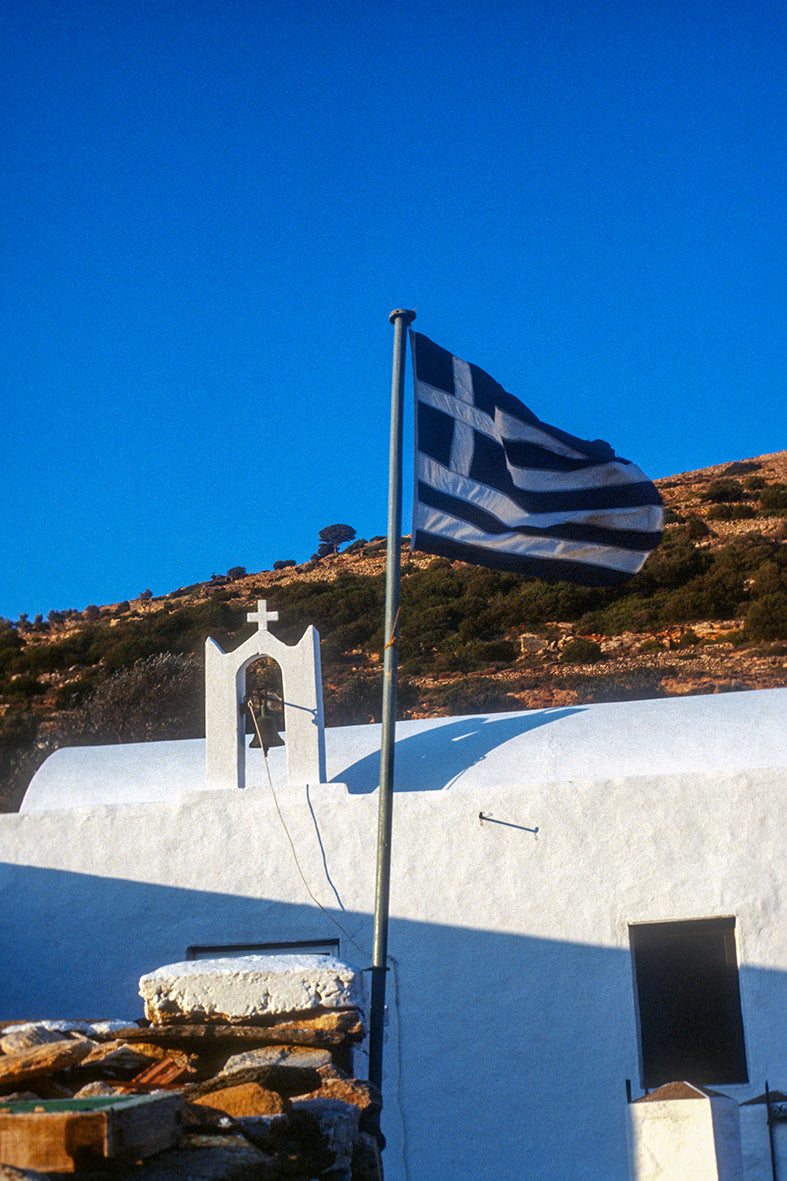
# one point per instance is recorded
(583, 899)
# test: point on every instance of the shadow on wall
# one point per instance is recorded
(432, 760)
(503, 1053)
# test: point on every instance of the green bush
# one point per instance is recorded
(696, 528)
(60, 655)
(11, 644)
(161, 697)
(479, 654)
(767, 579)
(673, 564)
(724, 491)
(20, 756)
(719, 591)
(475, 695)
(731, 512)
(126, 652)
(640, 685)
(357, 698)
(23, 687)
(773, 500)
(688, 639)
(73, 694)
(580, 650)
(344, 639)
(766, 618)
(740, 467)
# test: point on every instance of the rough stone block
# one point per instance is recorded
(246, 1099)
(204, 1157)
(42, 1060)
(94, 1090)
(116, 1059)
(278, 1056)
(36, 1030)
(27, 1037)
(338, 1122)
(287, 1080)
(248, 987)
(351, 1090)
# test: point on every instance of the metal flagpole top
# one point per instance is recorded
(400, 318)
(408, 316)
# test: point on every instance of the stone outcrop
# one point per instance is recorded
(259, 1054)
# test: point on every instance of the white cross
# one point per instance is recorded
(262, 616)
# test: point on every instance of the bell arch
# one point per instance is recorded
(225, 687)
(264, 701)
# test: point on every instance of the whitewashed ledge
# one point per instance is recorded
(249, 986)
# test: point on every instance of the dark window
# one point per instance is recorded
(690, 1023)
(218, 951)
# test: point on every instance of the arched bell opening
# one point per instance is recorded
(296, 669)
(263, 702)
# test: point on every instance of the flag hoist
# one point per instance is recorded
(496, 487)
(400, 320)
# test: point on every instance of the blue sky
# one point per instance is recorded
(209, 208)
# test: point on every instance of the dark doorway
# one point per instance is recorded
(686, 979)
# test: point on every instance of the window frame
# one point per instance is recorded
(688, 1003)
(225, 951)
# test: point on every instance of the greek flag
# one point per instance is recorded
(496, 487)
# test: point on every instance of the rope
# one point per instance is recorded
(316, 901)
(392, 640)
(347, 935)
(395, 970)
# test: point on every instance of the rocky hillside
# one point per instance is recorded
(708, 613)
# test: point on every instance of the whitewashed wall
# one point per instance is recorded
(512, 1026)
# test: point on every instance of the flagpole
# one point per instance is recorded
(400, 318)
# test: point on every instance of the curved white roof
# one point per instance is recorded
(725, 733)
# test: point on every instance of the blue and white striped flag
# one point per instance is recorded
(496, 487)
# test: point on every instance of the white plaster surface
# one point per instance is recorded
(685, 1140)
(511, 1022)
(250, 986)
(225, 721)
(91, 1029)
(722, 732)
(755, 1146)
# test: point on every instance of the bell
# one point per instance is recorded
(269, 734)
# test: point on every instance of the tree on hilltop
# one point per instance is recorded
(332, 536)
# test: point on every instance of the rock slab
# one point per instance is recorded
(248, 987)
(278, 1056)
(244, 1099)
